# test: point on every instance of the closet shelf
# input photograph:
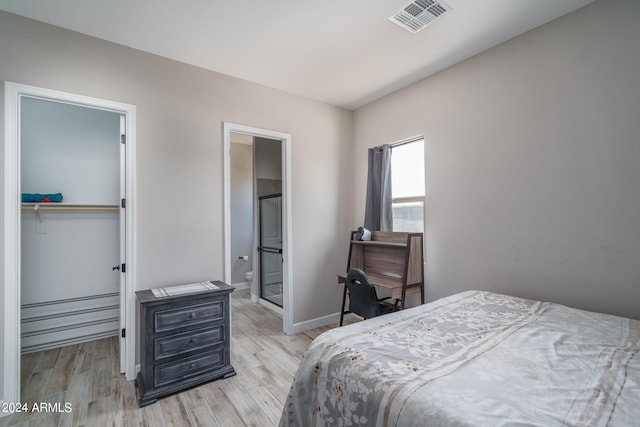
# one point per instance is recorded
(68, 207)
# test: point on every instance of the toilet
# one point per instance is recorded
(249, 276)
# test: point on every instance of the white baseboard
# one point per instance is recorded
(271, 306)
(242, 285)
(318, 322)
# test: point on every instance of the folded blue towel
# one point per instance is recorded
(41, 198)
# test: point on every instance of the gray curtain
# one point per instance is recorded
(378, 213)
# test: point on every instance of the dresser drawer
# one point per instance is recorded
(182, 317)
(191, 366)
(177, 344)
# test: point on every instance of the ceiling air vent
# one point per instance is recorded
(418, 14)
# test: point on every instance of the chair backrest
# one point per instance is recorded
(363, 299)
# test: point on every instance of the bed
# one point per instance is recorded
(472, 359)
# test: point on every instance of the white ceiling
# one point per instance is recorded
(344, 52)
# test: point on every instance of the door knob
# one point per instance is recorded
(117, 267)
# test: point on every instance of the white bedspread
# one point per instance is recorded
(472, 359)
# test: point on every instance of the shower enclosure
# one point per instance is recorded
(270, 248)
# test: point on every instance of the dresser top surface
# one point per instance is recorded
(183, 292)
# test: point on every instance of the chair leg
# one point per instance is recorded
(344, 299)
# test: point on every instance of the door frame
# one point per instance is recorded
(13, 93)
(287, 241)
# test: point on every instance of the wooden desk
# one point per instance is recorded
(391, 260)
(384, 282)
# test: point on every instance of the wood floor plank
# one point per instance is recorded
(49, 412)
(223, 410)
(47, 359)
(276, 384)
(128, 403)
(102, 377)
(79, 388)
(202, 417)
(98, 412)
(174, 412)
(193, 398)
(151, 416)
(244, 403)
(115, 355)
(88, 350)
(61, 375)
(244, 356)
(28, 367)
(69, 349)
(81, 362)
(266, 397)
(36, 383)
(87, 376)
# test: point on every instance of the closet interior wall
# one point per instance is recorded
(69, 290)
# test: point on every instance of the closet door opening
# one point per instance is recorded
(69, 244)
(70, 163)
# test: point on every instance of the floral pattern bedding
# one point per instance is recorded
(472, 359)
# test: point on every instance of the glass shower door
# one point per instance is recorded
(270, 248)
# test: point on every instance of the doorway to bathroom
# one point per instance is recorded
(257, 216)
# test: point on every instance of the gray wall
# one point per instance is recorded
(180, 111)
(532, 152)
(268, 154)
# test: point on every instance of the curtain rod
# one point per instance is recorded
(401, 142)
(407, 140)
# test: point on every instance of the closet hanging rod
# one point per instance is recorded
(68, 207)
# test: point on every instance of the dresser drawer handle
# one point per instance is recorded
(192, 315)
(191, 366)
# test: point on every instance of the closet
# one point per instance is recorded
(71, 250)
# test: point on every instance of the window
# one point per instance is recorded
(407, 185)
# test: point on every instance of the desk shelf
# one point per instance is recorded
(377, 243)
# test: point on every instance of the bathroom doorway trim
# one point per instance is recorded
(287, 268)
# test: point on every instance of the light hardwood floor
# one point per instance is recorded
(87, 377)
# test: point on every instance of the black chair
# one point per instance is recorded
(363, 298)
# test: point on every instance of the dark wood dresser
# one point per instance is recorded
(184, 338)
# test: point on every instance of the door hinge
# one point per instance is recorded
(124, 333)
(123, 203)
(123, 139)
(123, 268)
